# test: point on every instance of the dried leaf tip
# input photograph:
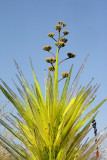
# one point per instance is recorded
(47, 48)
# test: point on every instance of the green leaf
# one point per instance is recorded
(64, 92)
(17, 150)
(9, 150)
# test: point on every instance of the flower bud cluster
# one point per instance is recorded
(51, 35)
(51, 68)
(65, 32)
(47, 48)
(61, 42)
(58, 27)
(71, 55)
(64, 74)
(51, 60)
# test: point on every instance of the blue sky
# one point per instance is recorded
(24, 25)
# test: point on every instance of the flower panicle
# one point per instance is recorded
(61, 42)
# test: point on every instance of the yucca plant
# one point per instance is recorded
(54, 127)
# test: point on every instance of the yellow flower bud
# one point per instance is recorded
(51, 68)
(47, 48)
(64, 24)
(62, 44)
(63, 40)
(71, 55)
(64, 74)
(65, 32)
(60, 22)
(51, 35)
(58, 27)
(50, 60)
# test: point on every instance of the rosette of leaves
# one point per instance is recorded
(52, 128)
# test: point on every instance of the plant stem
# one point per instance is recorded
(52, 54)
(63, 60)
(54, 39)
(60, 79)
(62, 36)
(58, 35)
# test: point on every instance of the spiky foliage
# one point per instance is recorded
(6, 154)
(52, 128)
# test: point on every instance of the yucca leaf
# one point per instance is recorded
(17, 150)
(17, 104)
(9, 119)
(20, 91)
(37, 86)
(64, 92)
(68, 140)
(82, 122)
(90, 149)
(16, 134)
(75, 82)
(9, 150)
(79, 137)
(49, 97)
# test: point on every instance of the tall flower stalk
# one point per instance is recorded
(52, 128)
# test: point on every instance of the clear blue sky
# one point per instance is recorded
(24, 25)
